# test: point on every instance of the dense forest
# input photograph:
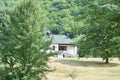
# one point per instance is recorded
(63, 16)
(66, 16)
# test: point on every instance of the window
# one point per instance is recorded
(53, 47)
(62, 48)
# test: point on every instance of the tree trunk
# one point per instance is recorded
(107, 60)
(107, 57)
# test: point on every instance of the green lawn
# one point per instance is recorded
(84, 69)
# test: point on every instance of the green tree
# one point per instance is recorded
(102, 36)
(22, 44)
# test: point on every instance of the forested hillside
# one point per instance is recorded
(63, 15)
(66, 16)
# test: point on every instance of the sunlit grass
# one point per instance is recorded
(85, 69)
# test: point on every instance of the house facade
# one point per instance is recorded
(63, 45)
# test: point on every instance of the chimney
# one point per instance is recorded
(67, 35)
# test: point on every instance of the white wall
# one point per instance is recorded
(76, 50)
(71, 49)
(56, 46)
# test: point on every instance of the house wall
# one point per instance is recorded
(76, 50)
(56, 46)
(71, 49)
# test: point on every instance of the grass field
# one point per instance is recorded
(84, 69)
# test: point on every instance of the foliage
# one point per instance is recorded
(61, 14)
(22, 44)
(102, 36)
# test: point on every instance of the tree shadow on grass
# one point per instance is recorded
(86, 63)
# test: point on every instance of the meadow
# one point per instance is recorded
(84, 69)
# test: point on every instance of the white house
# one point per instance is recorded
(63, 45)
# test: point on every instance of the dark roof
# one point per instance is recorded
(61, 39)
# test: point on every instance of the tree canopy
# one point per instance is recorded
(22, 44)
(102, 36)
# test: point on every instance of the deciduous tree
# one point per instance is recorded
(102, 36)
(22, 44)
